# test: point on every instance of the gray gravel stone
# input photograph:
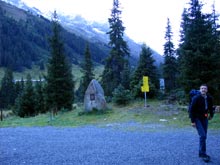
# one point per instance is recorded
(106, 145)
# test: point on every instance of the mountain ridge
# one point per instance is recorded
(24, 40)
(92, 31)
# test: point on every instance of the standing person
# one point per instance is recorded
(200, 111)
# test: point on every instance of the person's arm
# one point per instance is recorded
(192, 111)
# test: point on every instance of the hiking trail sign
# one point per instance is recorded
(145, 88)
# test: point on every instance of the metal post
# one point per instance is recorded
(145, 99)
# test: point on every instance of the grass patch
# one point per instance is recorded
(157, 113)
(35, 73)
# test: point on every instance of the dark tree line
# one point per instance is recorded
(118, 80)
(194, 62)
(197, 59)
(199, 50)
(56, 93)
(24, 97)
(21, 44)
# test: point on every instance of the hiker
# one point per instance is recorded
(200, 111)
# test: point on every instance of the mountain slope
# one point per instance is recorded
(24, 40)
(96, 33)
(76, 32)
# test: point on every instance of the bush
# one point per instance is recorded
(121, 96)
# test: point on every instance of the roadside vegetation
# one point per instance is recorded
(48, 102)
(157, 113)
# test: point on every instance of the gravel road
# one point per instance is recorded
(107, 145)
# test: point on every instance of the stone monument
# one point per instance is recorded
(94, 97)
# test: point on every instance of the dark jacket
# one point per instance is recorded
(197, 108)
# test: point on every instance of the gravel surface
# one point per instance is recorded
(106, 145)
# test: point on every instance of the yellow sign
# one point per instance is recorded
(145, 87)
(145, 80)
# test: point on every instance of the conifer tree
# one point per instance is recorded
(119, 53)
(27, 99)
(126, 74)
(19, 87)
(216, 54)
(197, 47)
(121, 96)
(7, 89)
(60, 84)
(39, 97)
(146, 67)
(87, 69)
(170, 61)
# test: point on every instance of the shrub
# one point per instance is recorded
(121, 96)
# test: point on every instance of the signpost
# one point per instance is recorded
(145, 88)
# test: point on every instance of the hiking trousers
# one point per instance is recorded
(202, 127)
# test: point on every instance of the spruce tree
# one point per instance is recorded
(87, 69)
(59, 79)
(39, 97)
(121, 96)
(119, 53)
(27, 99)
(196, 60)
(7, 89)
(146, 67)
(19, 87)
(216, 54)
(170, 62)
(126, 74)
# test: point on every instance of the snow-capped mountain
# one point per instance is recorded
(75, 24)
(24, 6)
(95, 32)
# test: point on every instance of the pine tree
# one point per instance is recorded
(216, 54)
(121, 96)
(27, 99)
(145, 67)
(39, 97)
(19, 87)
(87, 69)
(196, 49)
(7, 89)
(170, 61)
(60, 84)
(126, 74)
(114, 64)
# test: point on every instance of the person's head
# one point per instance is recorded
(203, 89)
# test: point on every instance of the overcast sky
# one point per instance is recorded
(144, 20)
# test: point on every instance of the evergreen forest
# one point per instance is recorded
(196, 61)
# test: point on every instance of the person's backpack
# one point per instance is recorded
(192, 93)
